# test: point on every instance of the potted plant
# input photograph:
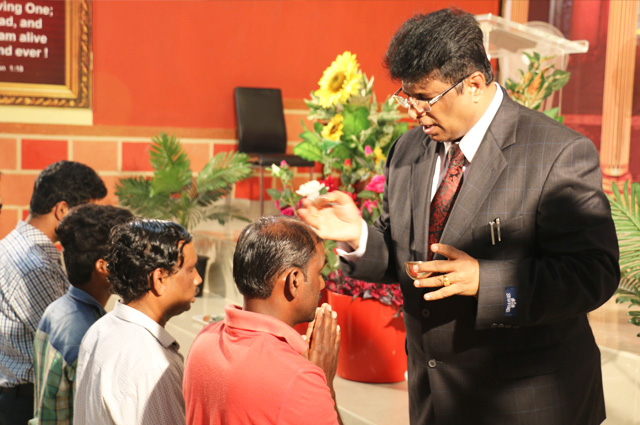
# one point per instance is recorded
(625, 210)
(351, 137)
(176, 193)
(538, 83)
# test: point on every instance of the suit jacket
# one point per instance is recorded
(523, 351)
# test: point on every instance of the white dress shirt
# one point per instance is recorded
(129, 372)
(469, 145)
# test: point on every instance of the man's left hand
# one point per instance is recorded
(459, 275)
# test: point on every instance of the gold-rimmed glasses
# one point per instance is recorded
(419, 104)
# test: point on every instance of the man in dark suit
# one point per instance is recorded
(498, 334)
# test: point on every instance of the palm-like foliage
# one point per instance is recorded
(625, 210)
(174, 193)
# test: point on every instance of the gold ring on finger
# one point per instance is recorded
(445, 280)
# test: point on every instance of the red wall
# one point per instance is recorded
(175, 63)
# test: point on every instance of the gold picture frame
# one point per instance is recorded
(77, 90)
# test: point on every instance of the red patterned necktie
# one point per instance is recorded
(445, 196)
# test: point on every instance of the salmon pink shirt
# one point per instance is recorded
(249, 369)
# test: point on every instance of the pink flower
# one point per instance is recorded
(283, 163)
(347, 163)
(367, 150)
(369, 205)
(376, 184)
(288, 211)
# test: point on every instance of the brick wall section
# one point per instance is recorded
(114, 153)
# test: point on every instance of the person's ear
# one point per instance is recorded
(293, 280)
(101, 267)
(159, 282)
(60, 210)
(476, 85)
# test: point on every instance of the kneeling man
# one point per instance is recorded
(254, 367)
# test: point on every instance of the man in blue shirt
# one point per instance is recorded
(84, 235)
(31, 277)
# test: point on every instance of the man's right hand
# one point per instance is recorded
(324, 342)
(334, 216)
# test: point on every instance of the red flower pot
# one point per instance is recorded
(372, 345)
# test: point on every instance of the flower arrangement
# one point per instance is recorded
(351, 137)
(386, 294)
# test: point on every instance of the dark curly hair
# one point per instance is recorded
(448, 43)
(139, 247)
(84, 234)
(266, 248)
(68, 181)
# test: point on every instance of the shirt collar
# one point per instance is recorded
(470, 143)
(236, 317)
(38, 238)
(130, 314)
(83, 297)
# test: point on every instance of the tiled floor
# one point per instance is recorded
(620, 348)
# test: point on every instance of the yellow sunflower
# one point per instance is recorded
(333, 129)
(339, 81)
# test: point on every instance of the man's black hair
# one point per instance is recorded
(139, 247)
(68, 181)
(84, 235)
(446, 44)
(266, 248)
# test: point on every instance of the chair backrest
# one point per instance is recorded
(260, 120)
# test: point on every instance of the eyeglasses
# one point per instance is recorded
(422, 105)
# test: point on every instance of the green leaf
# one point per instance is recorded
(308, 150)
(560, 79)
(553, 113)
(341, 152)
(310, 137)
(355, 121)
(625, 210)
(274, 193)
(331, 259)
(326, 145)
(220, 174)
(367, 194)
(172, 172)
(399, 130)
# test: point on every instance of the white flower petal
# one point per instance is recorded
(310, 190)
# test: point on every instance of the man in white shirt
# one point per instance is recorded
(129, 368)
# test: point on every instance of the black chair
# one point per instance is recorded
(262, 133)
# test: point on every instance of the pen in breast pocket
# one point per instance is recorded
(494, 225)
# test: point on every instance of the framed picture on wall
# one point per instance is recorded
(45, 53)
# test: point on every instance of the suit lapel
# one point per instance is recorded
(421, 177)
(486, 167)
